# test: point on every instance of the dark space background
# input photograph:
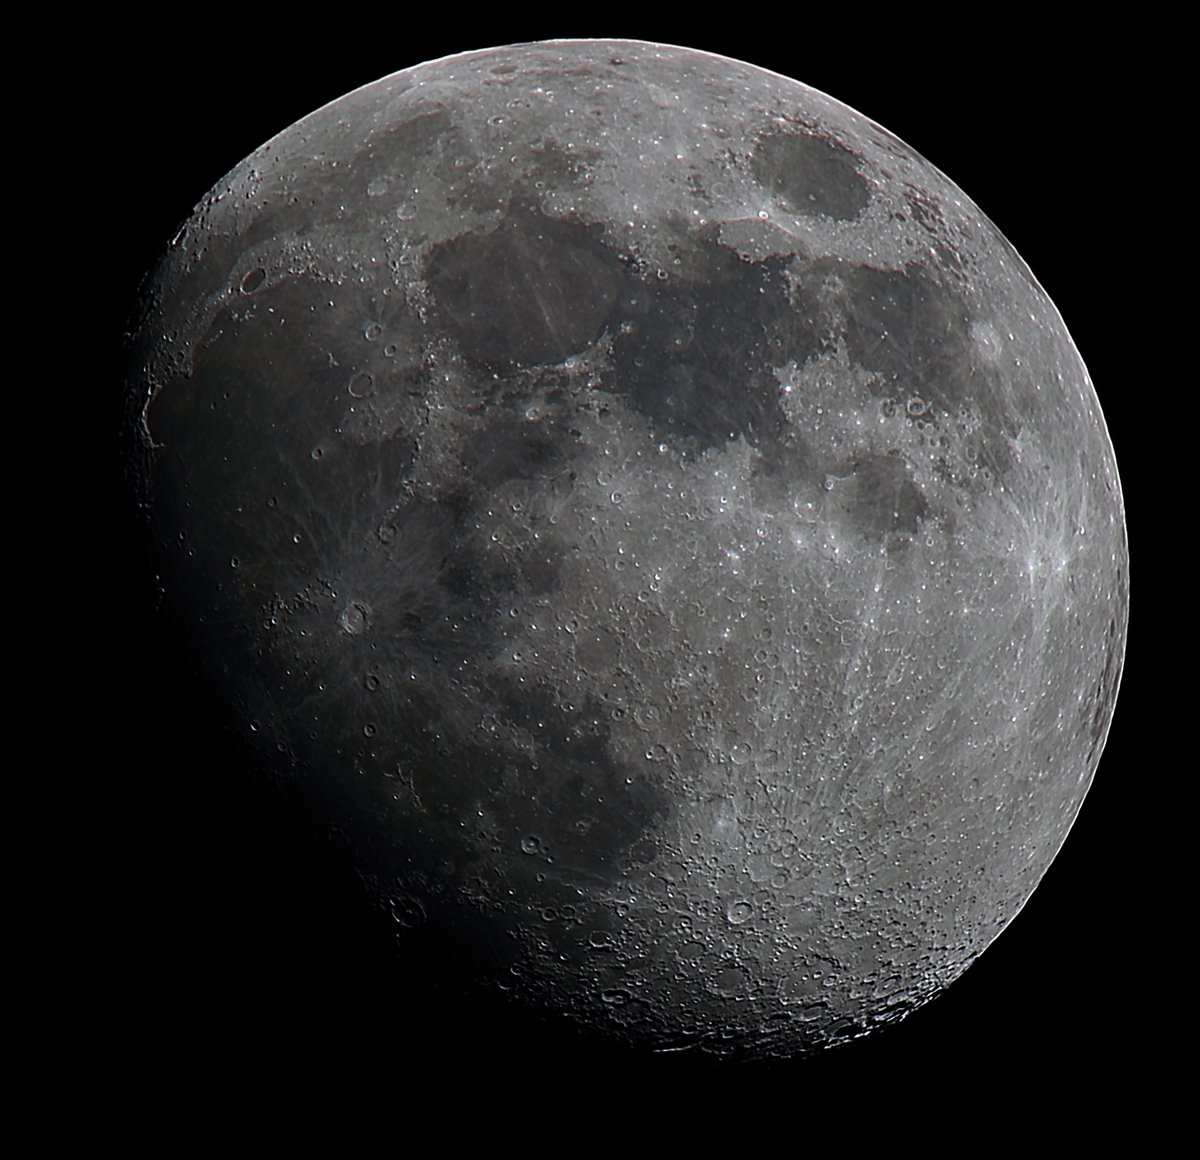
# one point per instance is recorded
(243, 957)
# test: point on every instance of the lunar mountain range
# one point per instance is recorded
(655, 520)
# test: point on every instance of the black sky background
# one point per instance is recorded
(239, 939)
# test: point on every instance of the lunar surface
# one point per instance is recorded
(658, 523)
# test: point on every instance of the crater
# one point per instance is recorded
(811, 175)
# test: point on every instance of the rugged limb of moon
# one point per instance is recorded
(656, 518)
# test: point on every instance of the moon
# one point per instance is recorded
(656, 519)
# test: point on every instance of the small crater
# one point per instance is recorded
(731, 981)
(253, 280)
(408, 912)
(739, 911)
(362, 386)
(353, 619)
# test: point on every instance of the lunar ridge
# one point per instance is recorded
(656, 518)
